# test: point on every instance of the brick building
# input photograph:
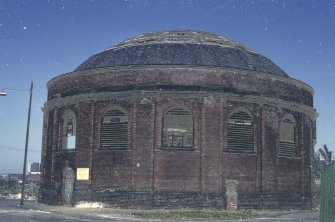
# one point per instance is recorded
(163, 119)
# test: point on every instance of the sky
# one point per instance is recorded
(41, 39)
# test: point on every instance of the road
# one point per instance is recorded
(287, 217)
(32, 212)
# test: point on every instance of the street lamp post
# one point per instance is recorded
(2, 93)
(26, 145)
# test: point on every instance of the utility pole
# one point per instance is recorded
(26, 146)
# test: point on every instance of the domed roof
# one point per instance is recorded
(192, 48)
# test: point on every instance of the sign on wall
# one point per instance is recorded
(83, 173)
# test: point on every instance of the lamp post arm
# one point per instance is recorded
(26, 144)
(3, 93)
(11, 89)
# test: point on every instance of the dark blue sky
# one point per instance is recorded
(40, 39)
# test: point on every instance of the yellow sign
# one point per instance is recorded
(83, 173)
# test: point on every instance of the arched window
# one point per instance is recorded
(114, 130)
(240, 133)
(69, 130)
(178, 129)
(287, 145)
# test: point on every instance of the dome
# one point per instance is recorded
(189, 48)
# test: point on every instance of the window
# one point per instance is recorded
(69, 130)
(287, 146)
(114, 130)
(240, 133)
(178, 129)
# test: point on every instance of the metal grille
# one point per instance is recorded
(178, 129)
(327, 201)
(240, 135)
(287, 146)
(114, 130)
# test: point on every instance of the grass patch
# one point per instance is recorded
(185, 214)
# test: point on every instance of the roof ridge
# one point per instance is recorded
(179, 36)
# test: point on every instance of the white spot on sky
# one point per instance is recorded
(63, 8)
(24, 27)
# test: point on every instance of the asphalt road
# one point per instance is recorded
(32, 212)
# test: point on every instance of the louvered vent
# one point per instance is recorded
(178, 129)
(114, 130)
(287, 147)
(240, 135)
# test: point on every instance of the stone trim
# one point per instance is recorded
(126, 95)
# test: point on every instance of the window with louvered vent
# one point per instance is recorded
(178, 129)
(69, 130)
(287, 145)
(114, 130)
(240, 133)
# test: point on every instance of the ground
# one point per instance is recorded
(33, 212)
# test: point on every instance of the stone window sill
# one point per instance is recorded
(242, 153)
(107, 149)
(289, 157)
(177, 149)
(68, 150)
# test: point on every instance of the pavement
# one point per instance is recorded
(34, 212)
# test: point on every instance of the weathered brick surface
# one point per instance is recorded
(112, 170)
(242, 168)
(243, 82)
(143, 143)
(177, 171)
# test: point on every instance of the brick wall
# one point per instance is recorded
(146, 175)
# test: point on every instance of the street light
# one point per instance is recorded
(2, 93)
